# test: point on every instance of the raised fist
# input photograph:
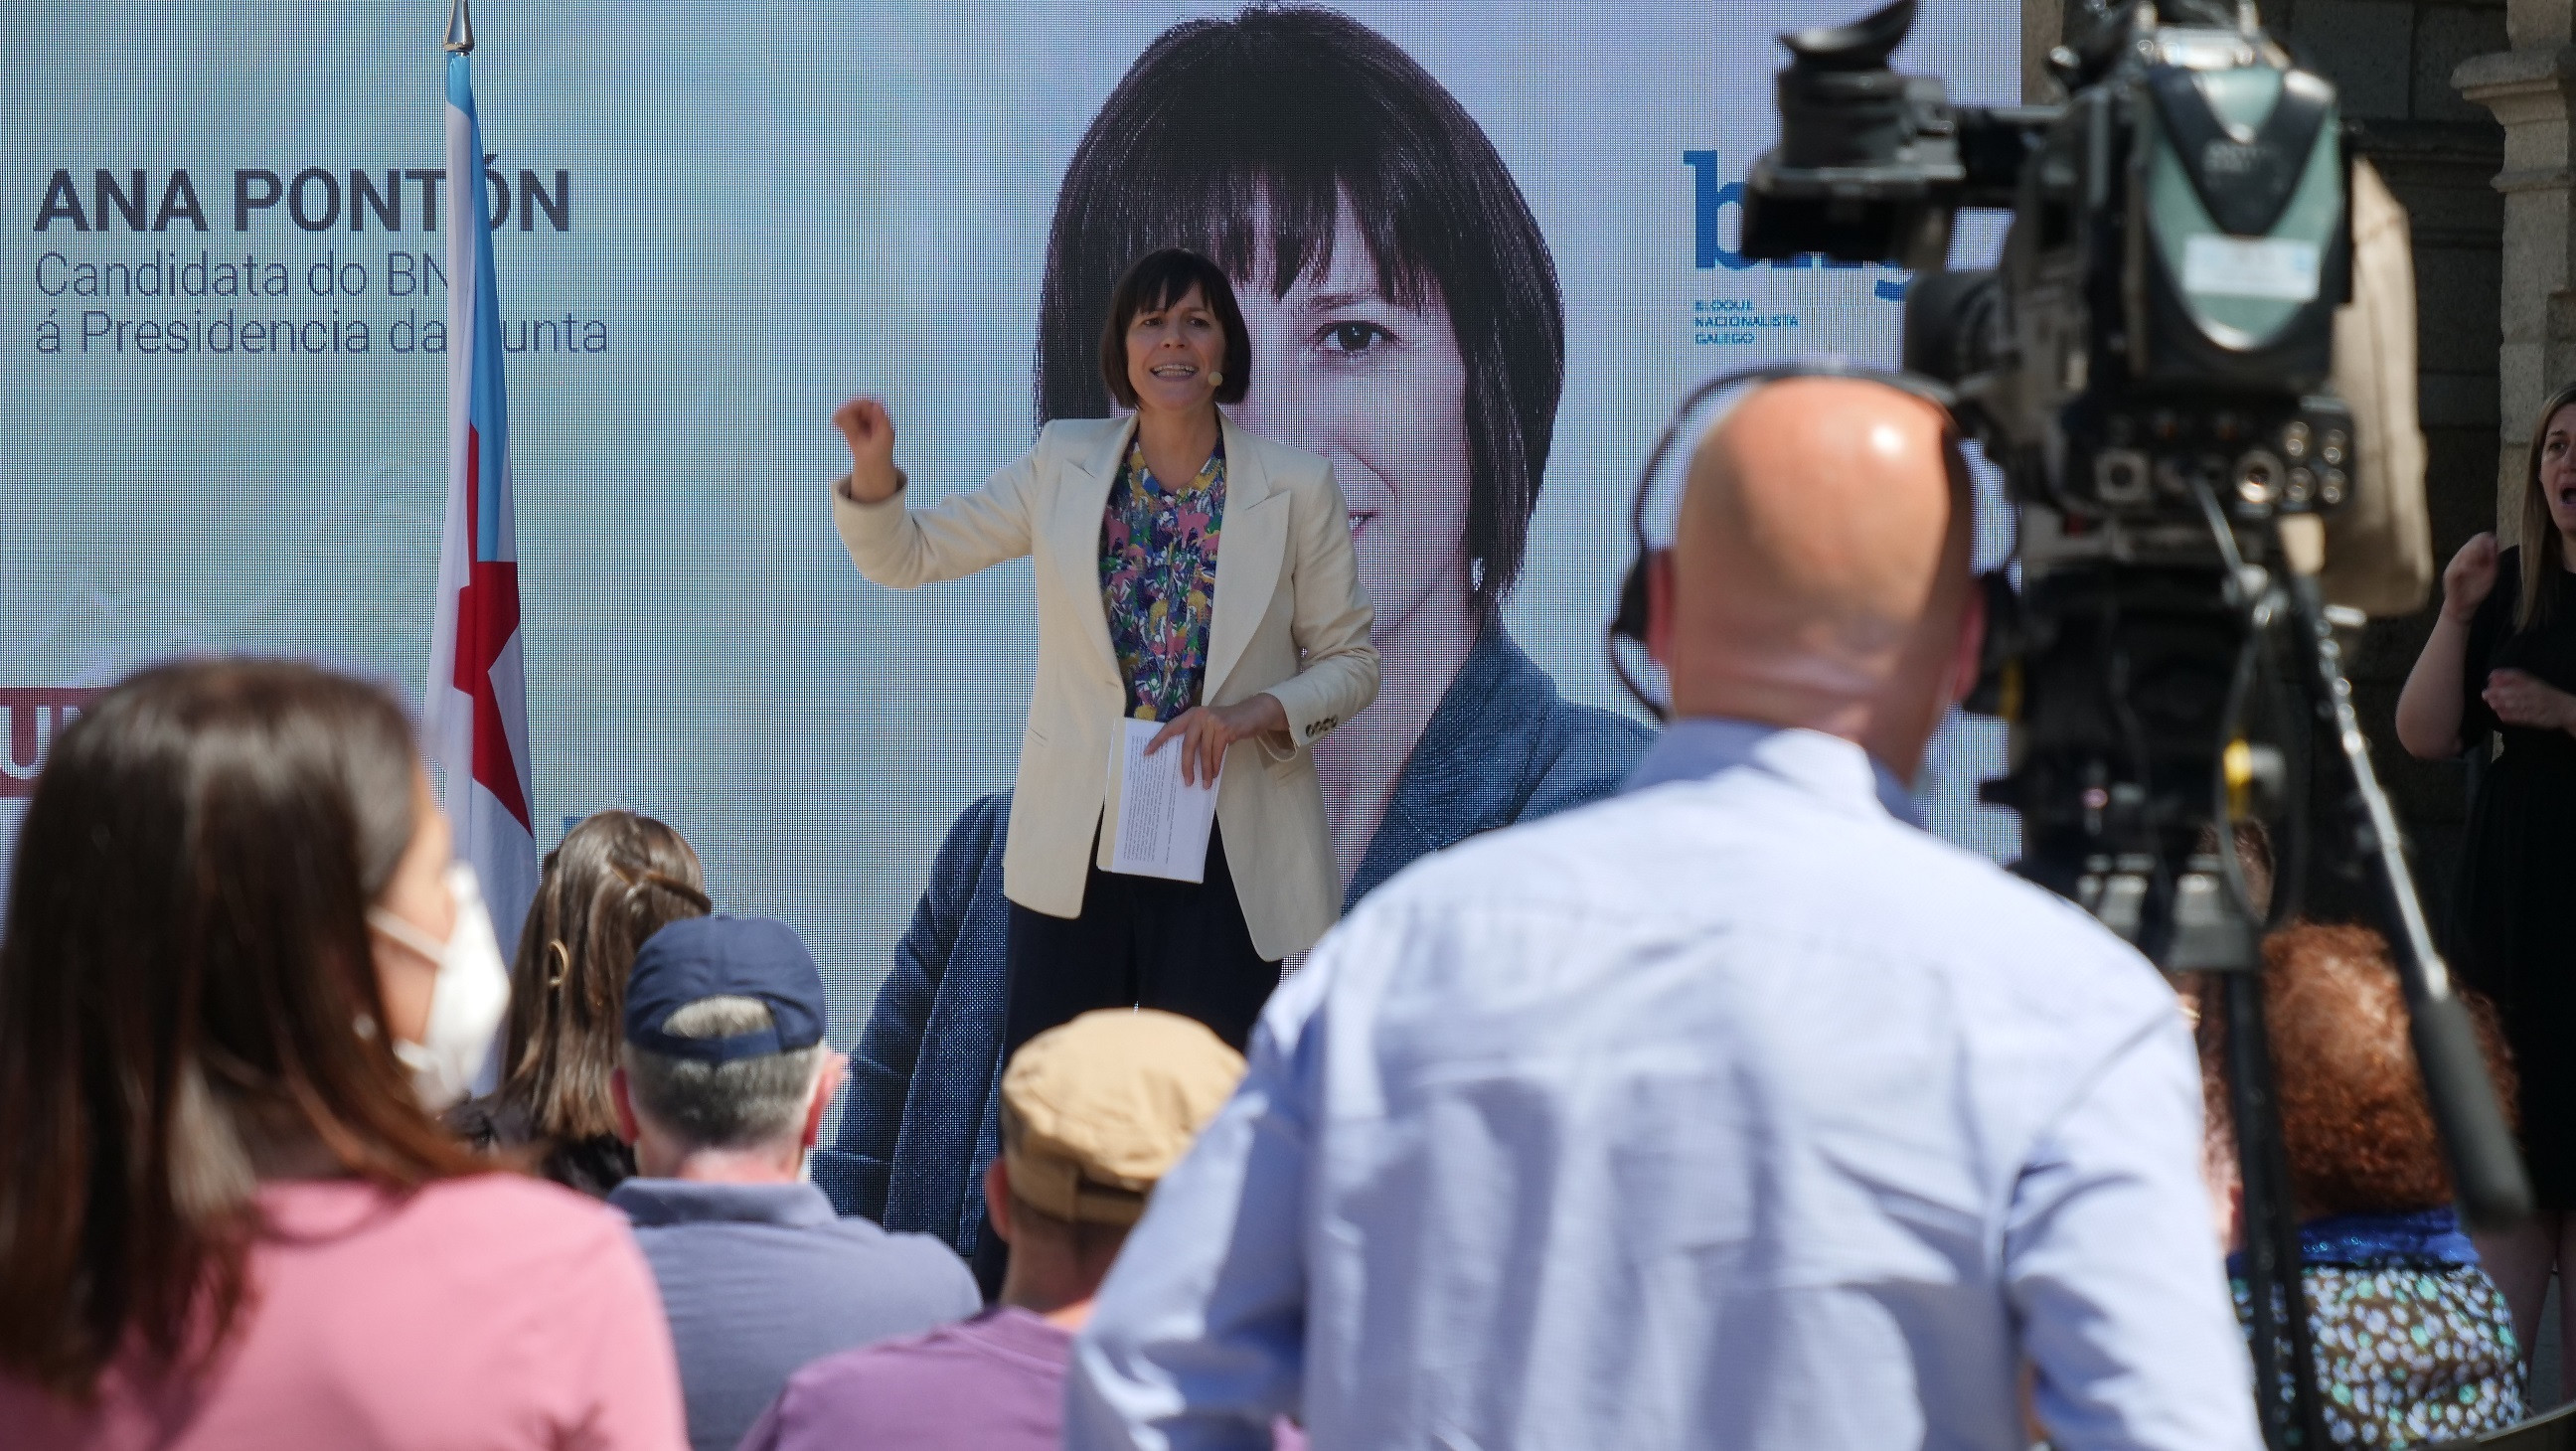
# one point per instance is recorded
(869, 430)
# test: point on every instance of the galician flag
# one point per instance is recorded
(476, 712)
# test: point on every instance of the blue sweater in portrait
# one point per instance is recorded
(920, 1120)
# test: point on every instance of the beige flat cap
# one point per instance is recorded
(1096, 1111)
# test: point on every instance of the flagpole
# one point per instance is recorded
(475, 712)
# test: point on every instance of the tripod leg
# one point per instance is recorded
(2284, 1343)
(2486, 1168)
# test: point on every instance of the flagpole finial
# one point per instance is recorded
(460, 30)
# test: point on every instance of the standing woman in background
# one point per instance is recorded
(1406, 325)
(236, 982)
(1187, 572)
(613, 881)
(2501, 663)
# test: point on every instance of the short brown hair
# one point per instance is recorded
(2354, 1118)
(1157, 280)
(1263, 133)
(187, 980)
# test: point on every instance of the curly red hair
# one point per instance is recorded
(2354, 1117)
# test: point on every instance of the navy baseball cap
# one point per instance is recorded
(740, 957)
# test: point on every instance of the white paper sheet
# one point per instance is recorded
(1163, 823)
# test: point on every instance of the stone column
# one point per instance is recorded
(2529, 88)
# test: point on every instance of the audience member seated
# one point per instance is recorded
(722, 1092)
(237, 961)
(2413, 1341)
(612, 882)
(1092, 1114)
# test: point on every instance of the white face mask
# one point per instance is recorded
(466, 1002)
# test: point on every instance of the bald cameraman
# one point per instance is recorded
(1734, 1112)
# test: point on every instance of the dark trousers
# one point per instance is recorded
(1140, 942)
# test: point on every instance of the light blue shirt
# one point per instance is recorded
(1732, 1112)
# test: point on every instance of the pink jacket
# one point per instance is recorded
(492, 1311)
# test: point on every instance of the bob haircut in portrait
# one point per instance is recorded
(1229, 135)
(1157, 281)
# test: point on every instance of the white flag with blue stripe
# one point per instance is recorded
(476, 710)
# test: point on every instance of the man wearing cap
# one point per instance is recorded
(722, 1091)
(1092, 1114)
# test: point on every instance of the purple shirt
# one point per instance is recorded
(993, 1383)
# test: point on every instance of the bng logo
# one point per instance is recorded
(1711, 196)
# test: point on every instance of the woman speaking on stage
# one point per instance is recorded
(1186, 572)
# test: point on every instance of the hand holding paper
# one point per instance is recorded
(1163, 820)
(1205, 731)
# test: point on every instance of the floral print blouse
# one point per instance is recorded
(2414, 1343)
(1158, 581)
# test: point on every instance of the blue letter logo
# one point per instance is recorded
(1709, 196)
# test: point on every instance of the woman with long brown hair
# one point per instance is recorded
(229, 995)
(613, 881)
(2413, 1343)
(2501, 666)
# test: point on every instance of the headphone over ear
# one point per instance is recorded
(1630, 622)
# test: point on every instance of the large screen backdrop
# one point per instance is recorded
(222, 305)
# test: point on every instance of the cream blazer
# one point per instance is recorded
(1289, 619)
